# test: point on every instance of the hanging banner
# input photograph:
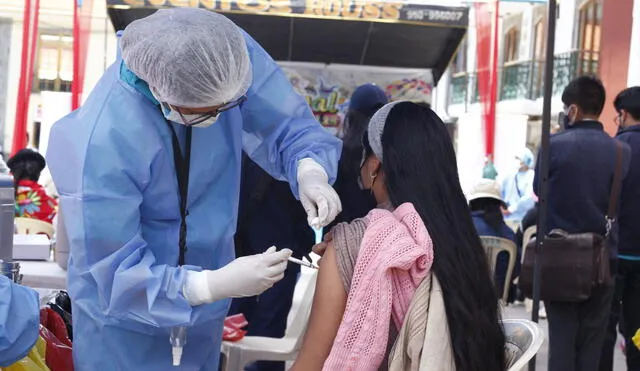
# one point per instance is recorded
(29, 38)
(327, 88)
(334, 9)
(486, 66)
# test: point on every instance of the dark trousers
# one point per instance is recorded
(577, 330)
(625, 313)
(267, 313)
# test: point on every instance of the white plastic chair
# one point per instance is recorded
(523, 340)
(513, 225)
(492, 247)
(33, 226)
(257, 348)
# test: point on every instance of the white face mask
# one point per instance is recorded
(517, 164)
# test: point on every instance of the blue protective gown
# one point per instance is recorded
(19, 321)
(112, 162)
(517, 192)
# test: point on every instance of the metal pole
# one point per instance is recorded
(543, 175)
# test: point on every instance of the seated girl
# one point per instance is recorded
(413, 271)
(486, 205)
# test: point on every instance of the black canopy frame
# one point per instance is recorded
(419, 36)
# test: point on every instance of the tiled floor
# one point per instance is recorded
(510, 312)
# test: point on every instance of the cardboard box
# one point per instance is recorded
(31, 247)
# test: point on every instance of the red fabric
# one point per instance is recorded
(487, 69)
(20, 126)
(32, 201)
(233, 328)
(58, 355)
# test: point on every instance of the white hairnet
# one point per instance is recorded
(190, 57)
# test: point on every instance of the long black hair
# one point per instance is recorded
(420, 167)
(491, 212)
(27, 164)
(355, 125)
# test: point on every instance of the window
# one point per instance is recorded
(539, 55)
(590, 20)
(459, 64)
(511, 41)
(54, 70)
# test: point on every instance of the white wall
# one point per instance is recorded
(102, 47)
(54, 14)
(470, 150)
(565, 26)
(526, 34)
(634, 55)
(510, 138)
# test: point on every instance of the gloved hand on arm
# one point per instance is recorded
(245, 276)
(319, 199)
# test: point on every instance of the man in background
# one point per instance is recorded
(581, 169)
(625, 310)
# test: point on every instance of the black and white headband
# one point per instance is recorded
(376, 127)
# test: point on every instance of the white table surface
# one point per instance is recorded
(43, 274)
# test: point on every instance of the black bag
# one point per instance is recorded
(572, 265)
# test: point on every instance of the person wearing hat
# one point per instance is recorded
(32, 201)
(364, 102)
(517, 188)
(486, 206)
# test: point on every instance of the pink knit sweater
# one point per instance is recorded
(395, 256)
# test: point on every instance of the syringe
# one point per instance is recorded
(318, 234)
(178, 340)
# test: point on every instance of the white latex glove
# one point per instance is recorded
(319, 199)
(245, 276)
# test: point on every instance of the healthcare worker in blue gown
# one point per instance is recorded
(166, 124)
(19, 321)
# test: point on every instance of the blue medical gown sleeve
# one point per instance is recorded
(279, 127)
(106, 196)
(19, 321)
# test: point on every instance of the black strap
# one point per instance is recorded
(517, 186)
(182, 165)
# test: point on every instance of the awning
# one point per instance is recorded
(405, 35)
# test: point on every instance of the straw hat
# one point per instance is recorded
(486, 188)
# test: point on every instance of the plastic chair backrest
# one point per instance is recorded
(492, 247)
(34, 226)
(523, 340)
(527, 237)
(513, 225)
(299, 322)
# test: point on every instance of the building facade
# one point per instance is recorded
(580, 49)
(53, 65)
